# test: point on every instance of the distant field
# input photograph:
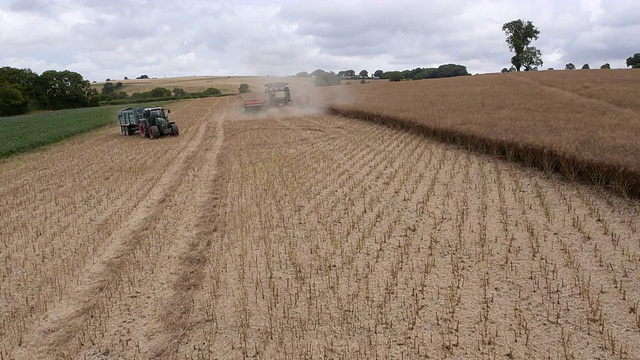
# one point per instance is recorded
(617, 87)
(226, 84)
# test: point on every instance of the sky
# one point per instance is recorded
(114, 39)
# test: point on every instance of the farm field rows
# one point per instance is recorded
(307, 236)
(584, 124)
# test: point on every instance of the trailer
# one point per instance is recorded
(129, 119)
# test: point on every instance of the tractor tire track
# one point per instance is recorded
(71, 314)
(176, 317)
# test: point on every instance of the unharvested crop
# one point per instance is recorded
(577, 124)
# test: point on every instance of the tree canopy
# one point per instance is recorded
(324, 78)
(634, 61)
(520, 34)
(22, 90)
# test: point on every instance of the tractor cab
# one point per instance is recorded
(278, 94)
(156, 116)
(155, 122)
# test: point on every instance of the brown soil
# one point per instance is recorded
(306, 235)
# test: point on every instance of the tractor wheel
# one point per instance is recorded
(154, 132)
(174, 129)
(142, 131)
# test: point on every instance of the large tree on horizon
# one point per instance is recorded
(520, 34)
(634, 61)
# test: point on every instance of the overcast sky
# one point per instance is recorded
(116, 38)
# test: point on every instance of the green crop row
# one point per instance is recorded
(26, 132)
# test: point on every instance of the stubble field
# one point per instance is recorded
(304, 235)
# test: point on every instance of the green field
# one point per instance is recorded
(26, 132)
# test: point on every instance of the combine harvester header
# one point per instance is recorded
(276, 94)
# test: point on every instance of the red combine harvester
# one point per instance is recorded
(276, 94)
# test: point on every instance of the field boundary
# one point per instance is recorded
(616, 178)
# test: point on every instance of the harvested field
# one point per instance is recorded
(299, 235)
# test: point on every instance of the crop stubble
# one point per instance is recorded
(312, 236)
(348, 240)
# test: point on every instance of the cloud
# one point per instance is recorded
(282, 37)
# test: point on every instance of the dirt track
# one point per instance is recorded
(306, 236)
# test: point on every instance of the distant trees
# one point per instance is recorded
(244, 88)
(160, 92)
(442, 71)
(211, 92)
(18, 87)
(393, 76)
(324, 78)
(317, 72)
(22, 90)
(109, 88)
(111, 95)
(347, 74)
(179, 92)
(520, 34)
(531, 58)
(164, 93)
(585, 67)
(142, 77)
(12, 101)
(66, 89)
(570, 66)
(446, 70)
(634, 61)
(605, 66)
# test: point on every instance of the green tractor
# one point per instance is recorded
(151, 122)
(155, 123)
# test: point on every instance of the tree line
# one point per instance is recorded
(324, 78)
(113, 94)
(22, 90)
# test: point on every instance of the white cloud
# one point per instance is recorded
(160, 38)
